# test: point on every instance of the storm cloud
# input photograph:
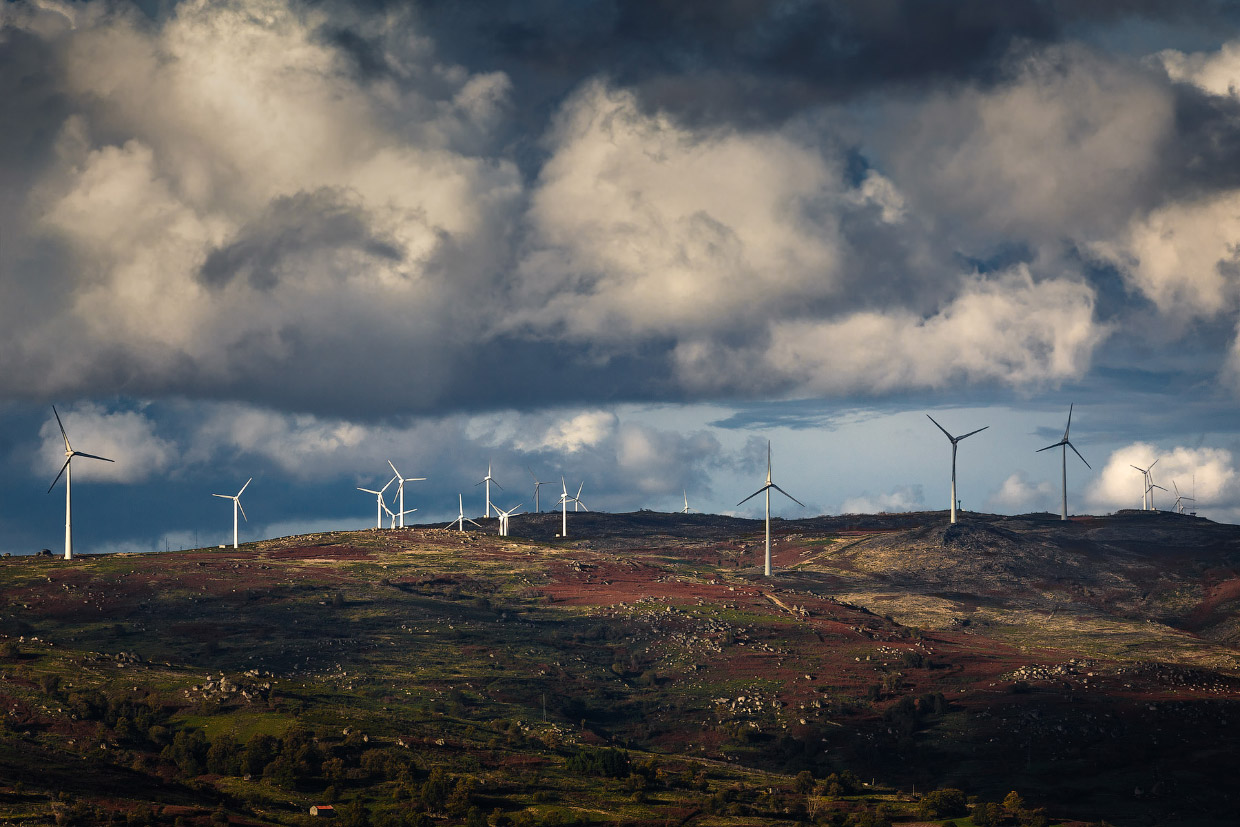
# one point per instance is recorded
(359, 225)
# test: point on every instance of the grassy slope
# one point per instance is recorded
(655, 636)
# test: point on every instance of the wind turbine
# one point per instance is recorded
(1150, 488)
(1180, 499)
(395, 516)
(67, 470)
(565, 500)
(488, 479)
(503, 518)
(461, 518)
(536, 484)
(955, 440)
(400, 492)
(767, 488)
(378, 501)
(1065, 444)
(687, 509)
(1145, 486)
(236, 498)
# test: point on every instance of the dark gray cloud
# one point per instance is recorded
(297, 227)
(463, 206)
(748, 61)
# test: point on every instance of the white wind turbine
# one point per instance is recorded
(67, 471)
(1180, 499)
(1145, 485)
(955, 440)
(1065, 444)
(400, 492)
(767, 488)
(488, 479)
(396, 516)
(378, 501)
(1151, 486)
(236, 498)
(687, 509)
(565, 500)
(536, 484)
(461, 519)
(503, 518)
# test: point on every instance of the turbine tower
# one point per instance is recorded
(767, 488)
(536, 484)
(400, 492)
(460, 517)
(565, 500)
(67, 470)
(1065, 444)
(955, 440)
(488, 479)
(378, 501)
(236, 498)
(1145, 486)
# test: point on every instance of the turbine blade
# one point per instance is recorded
(754, 494)
(369, 491)
(393, 467)
(92, 456)
(223, 496)
(786, 494)
(497, 485)
(389, 482)
(62, 471)
(1142, 470)
(1069, 428)
(941, 428)
(583, 485)
(1159, 487)
(1152, 464)
(580, 503)
(471, 521)
(1078, 453)
(241, 508)
(1048, 447)
(536, 482)
(971, 433)
(247, 485)
(68, 448)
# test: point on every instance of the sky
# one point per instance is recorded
(622, 243)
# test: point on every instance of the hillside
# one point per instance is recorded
(427, 676)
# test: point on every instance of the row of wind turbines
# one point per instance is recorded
(397, 517)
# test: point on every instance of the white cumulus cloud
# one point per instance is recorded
(1208, 474)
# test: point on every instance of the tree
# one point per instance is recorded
(945, 803)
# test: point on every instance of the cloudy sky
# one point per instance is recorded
(622, 242)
